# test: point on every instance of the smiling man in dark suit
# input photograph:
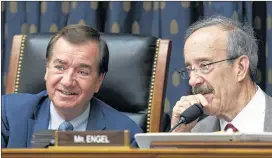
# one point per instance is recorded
(77, 61)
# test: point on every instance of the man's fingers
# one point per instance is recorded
(184, 103)
(202, 99)
(195, 99)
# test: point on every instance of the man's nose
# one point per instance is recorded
(68, 79)
(195, 80)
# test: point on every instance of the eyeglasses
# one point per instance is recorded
(203, 68)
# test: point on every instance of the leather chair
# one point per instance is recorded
(135, 84)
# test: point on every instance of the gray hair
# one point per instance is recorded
(241, 40)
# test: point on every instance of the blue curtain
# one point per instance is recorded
(160, 19)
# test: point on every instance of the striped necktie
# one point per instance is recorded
(66, 126)
(230, 128)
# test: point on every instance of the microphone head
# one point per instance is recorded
(43, 139)
(192, 113)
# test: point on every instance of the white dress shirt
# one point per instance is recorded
(79, 123)
(251, 118)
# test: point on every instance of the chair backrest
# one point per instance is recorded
(135, 84)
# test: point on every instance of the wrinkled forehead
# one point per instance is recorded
(206, 44)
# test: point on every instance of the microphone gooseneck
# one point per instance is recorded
(189, 115)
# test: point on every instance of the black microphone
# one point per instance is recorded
(43, 139)
(189, 115)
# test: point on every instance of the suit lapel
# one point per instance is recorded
(96, 116)
(268, 114)
(96, 120)
(208, 124)
(40, 121)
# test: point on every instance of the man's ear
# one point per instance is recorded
(46, 71)
(242, 67)
(99, 81)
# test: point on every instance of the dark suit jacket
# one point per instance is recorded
(25, 114)
(212, 123)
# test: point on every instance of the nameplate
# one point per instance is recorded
(92, 138)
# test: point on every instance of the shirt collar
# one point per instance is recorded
(77, 122)
(256, 107)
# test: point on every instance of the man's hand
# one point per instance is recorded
(184, 103)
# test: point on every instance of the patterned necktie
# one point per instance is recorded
(66, 126)
(230, 128)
